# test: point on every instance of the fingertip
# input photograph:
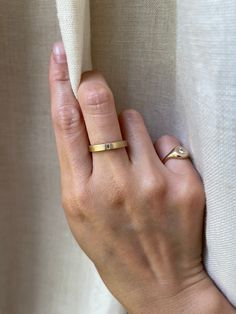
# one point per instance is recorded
(90, 82)
(135, 132)
(58, 69)
(59, 53)
(59, 81)
(91, 76)
(62, 96)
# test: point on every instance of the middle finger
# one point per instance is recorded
(100, 116)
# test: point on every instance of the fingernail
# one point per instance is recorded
(59, 53)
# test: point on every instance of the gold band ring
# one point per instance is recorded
(178, 152)
(107, 146)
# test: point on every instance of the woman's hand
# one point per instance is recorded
(139, 221)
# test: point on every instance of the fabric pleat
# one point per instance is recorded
(74, 18)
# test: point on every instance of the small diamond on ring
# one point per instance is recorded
(108, 146)
(181, 150)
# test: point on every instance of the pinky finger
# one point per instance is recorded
(163, 147)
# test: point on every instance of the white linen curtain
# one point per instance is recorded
(175, 62)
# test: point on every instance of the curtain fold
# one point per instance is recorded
(74, 18)
(175, 62)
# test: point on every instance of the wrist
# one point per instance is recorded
(202, 297)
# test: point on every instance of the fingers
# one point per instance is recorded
(141, 150)
(100, 116)
(180, 166)
(70, 131)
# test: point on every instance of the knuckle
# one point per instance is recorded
(59, 74)
(69, 203)
(98, 100)
(74, 203)
(153, 187)
(66, 118)
(190, 193)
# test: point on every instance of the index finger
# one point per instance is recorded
(71, 136)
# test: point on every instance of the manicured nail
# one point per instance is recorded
(59, 53)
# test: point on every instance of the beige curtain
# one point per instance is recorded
(175, 62)
(42, 271)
